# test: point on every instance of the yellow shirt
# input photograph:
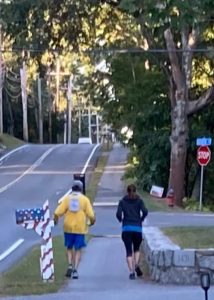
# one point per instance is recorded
(75, 222)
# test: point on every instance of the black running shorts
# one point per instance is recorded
(132, 241)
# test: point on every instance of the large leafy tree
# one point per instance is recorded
(139, 105)
(178, 29)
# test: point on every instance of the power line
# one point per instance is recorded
(109, 50)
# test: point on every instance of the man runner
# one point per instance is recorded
(77, 210)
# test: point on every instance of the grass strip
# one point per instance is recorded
(191, 237)
(155, 204)
(10, 141)
(25, 278)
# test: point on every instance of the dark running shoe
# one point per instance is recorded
(75, 274)
(132, 276)
(69, 272)
(138, 271)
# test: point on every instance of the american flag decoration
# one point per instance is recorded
(33, 214)
(39, 220)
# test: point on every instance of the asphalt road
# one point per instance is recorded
(28, 177)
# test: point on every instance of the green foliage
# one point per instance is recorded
(141, 104)
(188, 237)
(132, 91)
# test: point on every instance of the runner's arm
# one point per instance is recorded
(119, 212)
(143, 209)
(60, 210)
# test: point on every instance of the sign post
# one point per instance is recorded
(203, 158)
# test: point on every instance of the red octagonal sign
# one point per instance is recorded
(203, 155)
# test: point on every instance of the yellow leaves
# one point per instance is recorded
(175, 11)
(202, 74)
(47, 15)
(209, 34)
(56, 27)
(64, 43)
(85, 26)
(135, 160)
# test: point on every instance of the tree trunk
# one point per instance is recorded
(178, 139)
(10, 110)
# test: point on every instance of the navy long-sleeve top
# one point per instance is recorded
(131, 212)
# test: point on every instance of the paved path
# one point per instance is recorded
(103, 272)
(103, 276)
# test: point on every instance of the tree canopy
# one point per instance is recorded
(146, 65)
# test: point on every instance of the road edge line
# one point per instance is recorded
(89, 158)
(82, 172)
(11, 249)
(12, 151)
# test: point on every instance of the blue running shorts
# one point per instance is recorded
(74, 240)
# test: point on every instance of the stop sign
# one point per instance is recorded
(203, 155)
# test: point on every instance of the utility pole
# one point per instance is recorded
(80, 122)
(98, 129)
(24, 100)
(40, 111)
(89, 121)
(57, 84)
(1, 82)
(69, 95)
(65, 128)
(49, 107)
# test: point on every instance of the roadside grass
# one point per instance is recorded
(191, 237)
(156, 204)
(152, 203)
(10, 141)
(24, 278)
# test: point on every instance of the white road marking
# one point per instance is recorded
(11, 249)
(36, 164)
(90, 156)
(11, 152)
(82, 172)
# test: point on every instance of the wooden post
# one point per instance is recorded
(24, 101)
(80, 122)
(49, 107)
(69, 95)
(89, 121)
(40, 111)
(57, 84)
(98, 129)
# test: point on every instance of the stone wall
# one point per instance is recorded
(168, 263)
